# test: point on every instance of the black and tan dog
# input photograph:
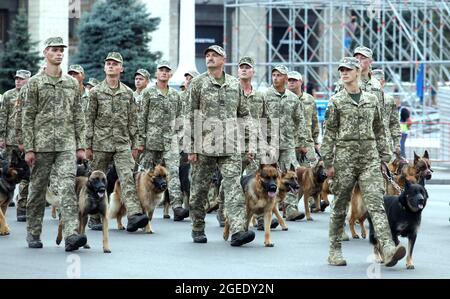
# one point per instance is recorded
(260, 191)
(404, 213)
(150, 186)
(311, 180)
(11, 173)
(288, 184)
(357, 212)
(92, 199)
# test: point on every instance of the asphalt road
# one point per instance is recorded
(300, 252)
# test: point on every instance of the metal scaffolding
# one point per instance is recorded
(407, 37)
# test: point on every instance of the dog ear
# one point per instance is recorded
(425, 155)
(416, 158)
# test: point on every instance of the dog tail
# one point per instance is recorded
(114, 206)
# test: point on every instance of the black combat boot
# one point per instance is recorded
(34, 241)
(273, 224)
(199, 237)
(73, 242)
(241, 238)
(137, 221)
(21, 215)
(95, 223)
(180, 213)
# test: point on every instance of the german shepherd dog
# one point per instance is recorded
(357, 213)
(150, 186)
(11, 173)
(404, 213)
(92, 199)
(212, 203)
(260, 191)
(311, 180)
(288, 184)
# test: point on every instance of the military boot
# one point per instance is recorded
(21, 215)
(294, 215)
(335, 257)
(220, 215)
(344, 236)
(137, 221)
(34, 241)
(241, 238)
(12, 204)
(260, 223)
(393, 254)
(95, 223)
(180, 213)
(73, 242)
(199, 237)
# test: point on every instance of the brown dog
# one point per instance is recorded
(288, 183)
(150, 187)
(311, 180)
(260, 191)
(92, 199)
(9, 177)
(357, 213)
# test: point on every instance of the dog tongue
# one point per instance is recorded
(421, 207)
(100, 194)
(271, 194)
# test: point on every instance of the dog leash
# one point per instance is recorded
(389, 178)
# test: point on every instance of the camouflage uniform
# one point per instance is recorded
(112, 131)
(159, 135)
(53, 129)
(312, 122)
(354, 143)
(209, 100)
(291, 133)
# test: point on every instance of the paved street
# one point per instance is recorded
(300, 252)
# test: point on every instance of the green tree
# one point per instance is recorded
(122, 26)
(18, 53)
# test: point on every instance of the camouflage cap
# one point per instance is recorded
(93, 82)
(164, 63)
(192, 73)
(295, 75)
(378, 74)
(350, 63)
(114, 56)
(24, 74)
(281, 68)
(218, 49)
(55, 42)
(143, 72)
(363, 51)
(247, 60)
(76, 68)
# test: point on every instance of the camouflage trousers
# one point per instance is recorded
(65, 168)
(286, 160)
(171, 160)
(369, 178)
(23, 185)
(124, 165)
(202, 172)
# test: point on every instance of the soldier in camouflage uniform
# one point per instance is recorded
(141, 80)
(161, 109)
(77, 71)
(353, 147)
(53, 130)
(9, 108)
(390, 114)
(215, 96)
(91, 84)
(112, 134)
(283, 106)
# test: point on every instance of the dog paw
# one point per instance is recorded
(148, 231)
(87, 246)
(410, 267)
(269, 244)
(106, 250)
(4, 231)
(355, 237)
(284, 229)
(310, 219)
(166, 216)
(58, 241)
(363, 236)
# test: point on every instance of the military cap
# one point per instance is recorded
(378, 74)
(24, 74)
(295, 75)
(281, 68)
(218, 49)
(76, 68)
(191, 73)
(55, 42)
(165, 64)
(363, 51)
(93, 82)
(247, 60)
(143, 72)
(114, 56)
(350, 63)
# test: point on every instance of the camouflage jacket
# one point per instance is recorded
(311, 119)
(256, 104)
(158, 118)
(355, 127)
(112, 119)
(213, 111)
(85, 100)
(138, 98)
(18, 117)
(51, 118)
(391, 121)
(8, 112)
(286, 112)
